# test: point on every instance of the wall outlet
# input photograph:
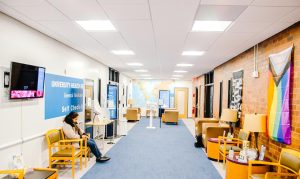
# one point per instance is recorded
(255, 74)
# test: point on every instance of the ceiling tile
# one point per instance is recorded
(226, 2)
(122, 1)
(292, 17)
(80, 9)
(127, 11)
(264, 14)
(111, 40)
(172, 27)
(23, 2)
(221, 13)
(201, 40)
(44, 11)
(248, 26)
(139, 36)
(276, 3)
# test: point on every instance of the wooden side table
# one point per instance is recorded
(239, 170)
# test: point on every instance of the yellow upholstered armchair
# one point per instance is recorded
(289, 159)
(226, 144)
(212, 130)
(171, 116)
(63, 151)
(198, 129)
(133, 114)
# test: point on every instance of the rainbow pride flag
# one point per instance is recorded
(279, 112)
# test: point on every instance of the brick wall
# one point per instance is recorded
(255, 89)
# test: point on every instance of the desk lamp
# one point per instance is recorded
(255, 123)
(230, 116)
(130, 102)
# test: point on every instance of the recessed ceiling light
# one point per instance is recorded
(175, 78)
(145, 75)
(177, 75)
(180, 71)
(141, 71)
(122, 52)
(184, 65)
(135, 64)
(93, 25)
(192, 53)
(217, 26)
(147, 78)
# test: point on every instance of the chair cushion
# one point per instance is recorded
(66, 153)
(228, 147)
(236, 148)
(290, 160)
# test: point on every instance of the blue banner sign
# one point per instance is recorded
(112, 101)
(62, 95)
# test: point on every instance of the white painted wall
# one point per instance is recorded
(24, 119)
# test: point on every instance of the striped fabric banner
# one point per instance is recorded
(279, 112)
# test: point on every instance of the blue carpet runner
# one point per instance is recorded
(162, 153)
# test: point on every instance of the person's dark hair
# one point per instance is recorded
(69, 118)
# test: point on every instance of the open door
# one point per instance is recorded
(181, 101)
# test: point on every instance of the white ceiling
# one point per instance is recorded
(157, 30)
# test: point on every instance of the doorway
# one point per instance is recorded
(208, 107)
(181, 101)
(196, 102)
(208, 94)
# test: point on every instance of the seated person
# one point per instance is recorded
(73, 131)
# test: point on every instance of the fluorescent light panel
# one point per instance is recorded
(135, 64)
(147, 78)
(192, 53)
(214, 26)
(180, 71)
(184, 65)
(122, 52)
(175, 78)
(141, 71)
(95, 25)
(145, 75)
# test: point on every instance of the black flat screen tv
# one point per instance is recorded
(27, 81)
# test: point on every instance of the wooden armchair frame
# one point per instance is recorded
(278, 165)
(19, 173)
(86, 150)
(229, 141)
(66, 145)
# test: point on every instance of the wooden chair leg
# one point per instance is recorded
(73, 168)
(85, 156)
(224, 160)
(50, 163)
(81, 161)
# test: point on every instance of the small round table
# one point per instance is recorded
(239, 170)
(212, 148)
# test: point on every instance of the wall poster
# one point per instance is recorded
(237, 92)
(62, 95)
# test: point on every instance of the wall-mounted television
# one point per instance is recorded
(27, 81)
